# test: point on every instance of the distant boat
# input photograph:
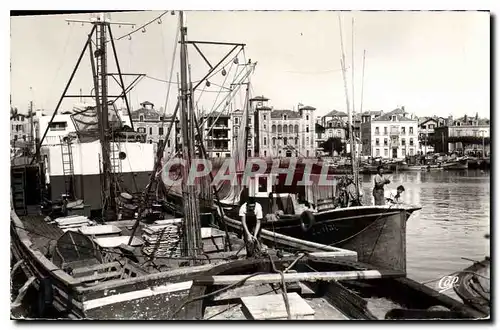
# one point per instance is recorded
(456, 164)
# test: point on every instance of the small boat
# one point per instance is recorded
(457, 164)
(311, 287)
(473, 286)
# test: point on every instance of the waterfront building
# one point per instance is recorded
(465, 135)
(149, 121)
(236, 123)
(217, 135)
(20, 127)
(426, 132)
(391, 135)
(284, 132)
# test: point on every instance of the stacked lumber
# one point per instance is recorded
(72, 222)
(163, 238)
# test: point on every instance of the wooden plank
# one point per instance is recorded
(168, 221)
(93, 268)
(98, 276)
(100, 230)
(297, 277)
(109, 242)
(272, 307)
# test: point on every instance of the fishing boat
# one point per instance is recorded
(473, 286)
(310, 288)
(456, 164)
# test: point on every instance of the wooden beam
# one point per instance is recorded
(295, 277)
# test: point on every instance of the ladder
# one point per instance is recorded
(67, 168)
(115, 157)
(18, 184)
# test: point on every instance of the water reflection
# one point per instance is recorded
(455, 216)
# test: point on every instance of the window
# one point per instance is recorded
(228, 155)
(160, 142)
(385, 142)
(403, 130)
(168, 143)
(285, 140)
(141, 118)
(160, 131)
(56, 126)
(265, 153)
(279, 129)
(411, 142)
(403, 152)
(403, 142)
(307, 152)
(307, 129)
(459, 132)
(284, 117)
(386, 152)
(236, 120)
(274, 141)
(307, 117)
(290, 128)
(330, 124)
(411, 130)
(377, 142)
(385, 130)
(377, 152)
(307, 141)
(249, 121)
(24, 137)
(296, 141)
(394, 118)
(265, 117)
(150, 130)
(273, 129)
(265, 140)
(141, 130)
(279, 152)
(411, 152)
(150, 141)
(285, 129)
(377, 132)
(339, 133)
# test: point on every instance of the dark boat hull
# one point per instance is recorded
(473, 286)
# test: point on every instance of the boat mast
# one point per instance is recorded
(361, 105)
(349, 115)
(192, 231)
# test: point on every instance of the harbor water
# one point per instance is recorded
(454, 218)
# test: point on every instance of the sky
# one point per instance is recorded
(430, 62)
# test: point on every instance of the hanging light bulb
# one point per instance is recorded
(172, 12)
(82, 24)
(224, 71)
(129, 37)
(159, 20)
(119, 25)
(235, 61)
(143, 30)
(207, 83)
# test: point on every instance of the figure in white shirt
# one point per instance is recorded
(394, 197)
(251, 217)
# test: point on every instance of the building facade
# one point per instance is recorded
(149, 121)
(217, 134)
(20, 128)
(284, 133)
(466, 135)
(391, 135)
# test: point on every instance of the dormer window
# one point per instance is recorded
(141, 118)
(307, 117)
(284, 117)
(394, 118)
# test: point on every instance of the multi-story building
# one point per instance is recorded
(284, 133)
(426, 129)
(148, 120)
(217, 134)
(464, 135)
(237, 124)
(392, 135)
(20, 127)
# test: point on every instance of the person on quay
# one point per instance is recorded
(251, 218)
(379, 182)
(352, 193)
(394, 197)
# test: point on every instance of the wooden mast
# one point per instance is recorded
(349, 115)
(191, 225)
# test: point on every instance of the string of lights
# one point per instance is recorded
(142, 28)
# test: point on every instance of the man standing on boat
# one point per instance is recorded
(251, 217)
(378, 189)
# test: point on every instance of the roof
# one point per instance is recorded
(289, 113)
(147, 103)
(336, 113)
(399, 115)
(217, 114)
(373, 113)
(149, 114)
(428, 119)
(307, 107)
